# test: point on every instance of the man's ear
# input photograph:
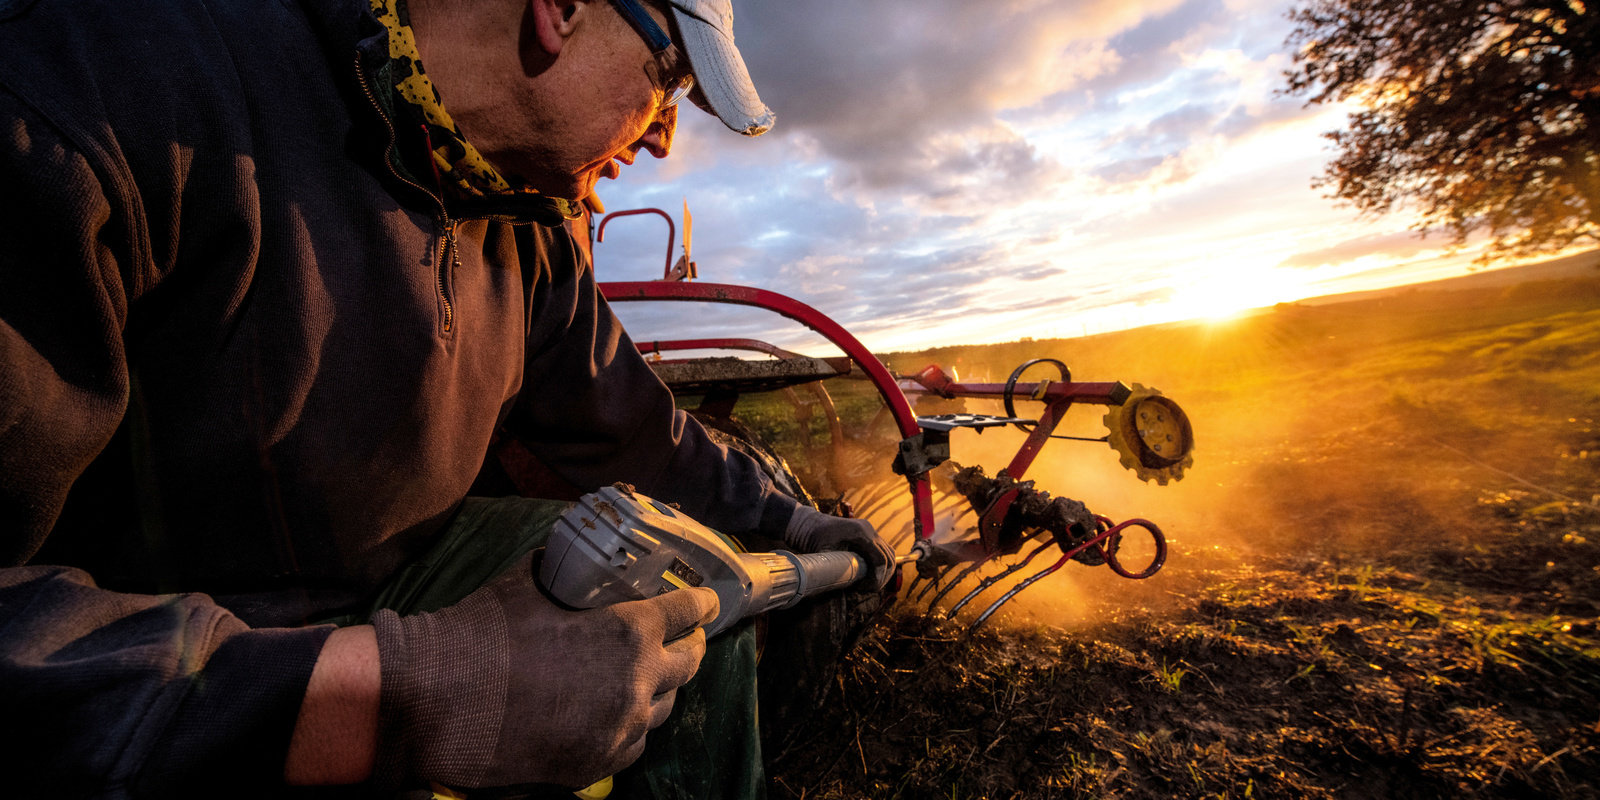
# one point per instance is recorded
(554, 21)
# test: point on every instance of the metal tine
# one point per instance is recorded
(933, 583)
(959, 578)
(914, 582)
(1005, 598)
(996, 578)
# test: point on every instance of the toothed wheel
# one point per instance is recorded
(1152, 434)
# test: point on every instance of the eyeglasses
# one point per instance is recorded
(669, 70)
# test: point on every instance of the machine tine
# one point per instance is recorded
(1005, 598)
(914, 583)
(933, 583)
(996, 578)
(959, 578)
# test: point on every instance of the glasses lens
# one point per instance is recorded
(678, 91)
(671, 74)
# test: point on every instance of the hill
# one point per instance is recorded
(1582, 265)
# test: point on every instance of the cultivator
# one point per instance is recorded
(1149, 431)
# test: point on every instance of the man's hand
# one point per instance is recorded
(506, 688)
(811, 531)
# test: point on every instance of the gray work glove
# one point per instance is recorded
(505, 687)
(811, 531)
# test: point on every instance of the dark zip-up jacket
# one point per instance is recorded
(241, 379)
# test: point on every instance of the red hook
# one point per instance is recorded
(672, 231)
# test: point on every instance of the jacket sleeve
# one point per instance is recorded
(110, 693)
(594, 412)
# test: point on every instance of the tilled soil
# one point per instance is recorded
(1275, 681)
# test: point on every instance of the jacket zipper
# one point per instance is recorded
(447, 226)
(447, 247)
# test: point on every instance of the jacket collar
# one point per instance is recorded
(393, 140)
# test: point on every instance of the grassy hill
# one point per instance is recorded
(1384, 580)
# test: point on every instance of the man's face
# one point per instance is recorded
(605, 110)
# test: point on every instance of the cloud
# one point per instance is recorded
(1244, 121)
(905, 97)
(1039, 272)
(1129, 170)
(1159, 295)
(1401, 245)
(940, 166)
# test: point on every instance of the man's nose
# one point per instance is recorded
(658, 137)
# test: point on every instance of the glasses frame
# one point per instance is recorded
(666, 68)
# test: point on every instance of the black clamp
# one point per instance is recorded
(922, 452)
(931, 447)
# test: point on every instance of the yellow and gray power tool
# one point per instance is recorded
(616, 545)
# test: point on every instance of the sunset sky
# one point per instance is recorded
(972, 171)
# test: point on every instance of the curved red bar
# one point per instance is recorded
(672, 230)
(905, 419)
(626, 291)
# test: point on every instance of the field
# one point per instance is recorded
(1384, 580)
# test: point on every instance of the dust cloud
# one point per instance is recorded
(1380, 432)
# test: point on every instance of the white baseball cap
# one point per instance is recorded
(720, 75)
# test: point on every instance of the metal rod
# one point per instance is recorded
(1100, 393)
(996, 578)
(959, 578)
(1013, 593)
(1096, 541)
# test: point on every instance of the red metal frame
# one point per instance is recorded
(1058, 396)
(672, 231)
(905, 419)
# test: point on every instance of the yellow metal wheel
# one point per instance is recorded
(1152, 435)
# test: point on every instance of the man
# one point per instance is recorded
(264, 303)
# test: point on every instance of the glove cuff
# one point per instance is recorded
(777, 512)
(443, 696)
(804, 529)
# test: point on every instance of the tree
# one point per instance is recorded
(1478, 114)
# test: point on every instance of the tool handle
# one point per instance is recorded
(825, 572)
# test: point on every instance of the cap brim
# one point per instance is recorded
(721, 77)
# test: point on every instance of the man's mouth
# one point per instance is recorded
(613, 166)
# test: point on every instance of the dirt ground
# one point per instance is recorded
(1384, 580)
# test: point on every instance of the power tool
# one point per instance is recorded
(616, 545)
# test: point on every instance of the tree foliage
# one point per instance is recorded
(1479, 114)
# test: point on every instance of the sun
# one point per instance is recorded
(1227, 292)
